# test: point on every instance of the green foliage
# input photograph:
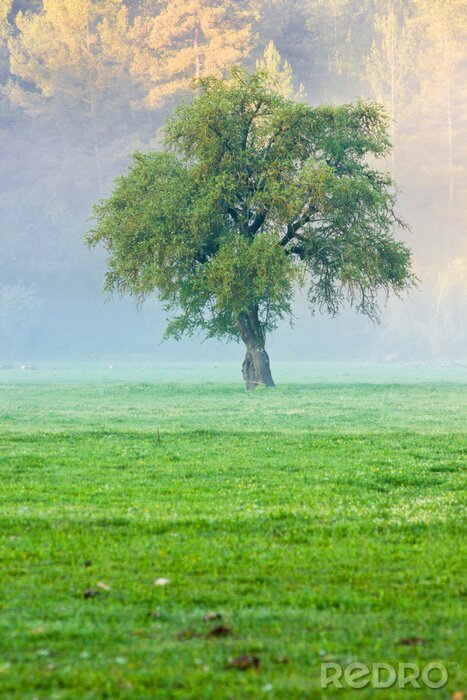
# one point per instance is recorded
(256, 195)
(279, 73)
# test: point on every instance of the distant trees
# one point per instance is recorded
(336, 36)
(85, 82)
(388, 67)
(5, 8)
(278, 72)
(189, 39)
(416, 67)
(101, 61)
(441, 28)
(75, 54)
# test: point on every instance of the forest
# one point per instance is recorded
(84, 83)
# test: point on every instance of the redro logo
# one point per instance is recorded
(381, 675)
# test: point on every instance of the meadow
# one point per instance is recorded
(156, 526)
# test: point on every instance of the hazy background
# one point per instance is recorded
(85, 82)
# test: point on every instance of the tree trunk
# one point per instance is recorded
(255, 369)
(197, 56)
(393, 94)
(449, 237)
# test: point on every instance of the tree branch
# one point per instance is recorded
(222, 138)
(233, 213)
(293, 228)
(249, 123)
(257, 223)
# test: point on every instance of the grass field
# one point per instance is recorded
(322, 520)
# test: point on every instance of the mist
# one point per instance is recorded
(70, 117)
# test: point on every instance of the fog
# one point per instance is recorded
(83, 85)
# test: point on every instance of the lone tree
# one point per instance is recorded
(255, 197)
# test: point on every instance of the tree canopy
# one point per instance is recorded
(255, 196)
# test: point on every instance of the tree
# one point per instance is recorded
(75, 55)
(278, 72)
(440, 68)
(389, 67)
(255, 196)
(337, 35)
(5, 8)
(189, 39)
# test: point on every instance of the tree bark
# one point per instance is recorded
(256, 369)
(197, 56)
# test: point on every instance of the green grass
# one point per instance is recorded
(324, 521)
